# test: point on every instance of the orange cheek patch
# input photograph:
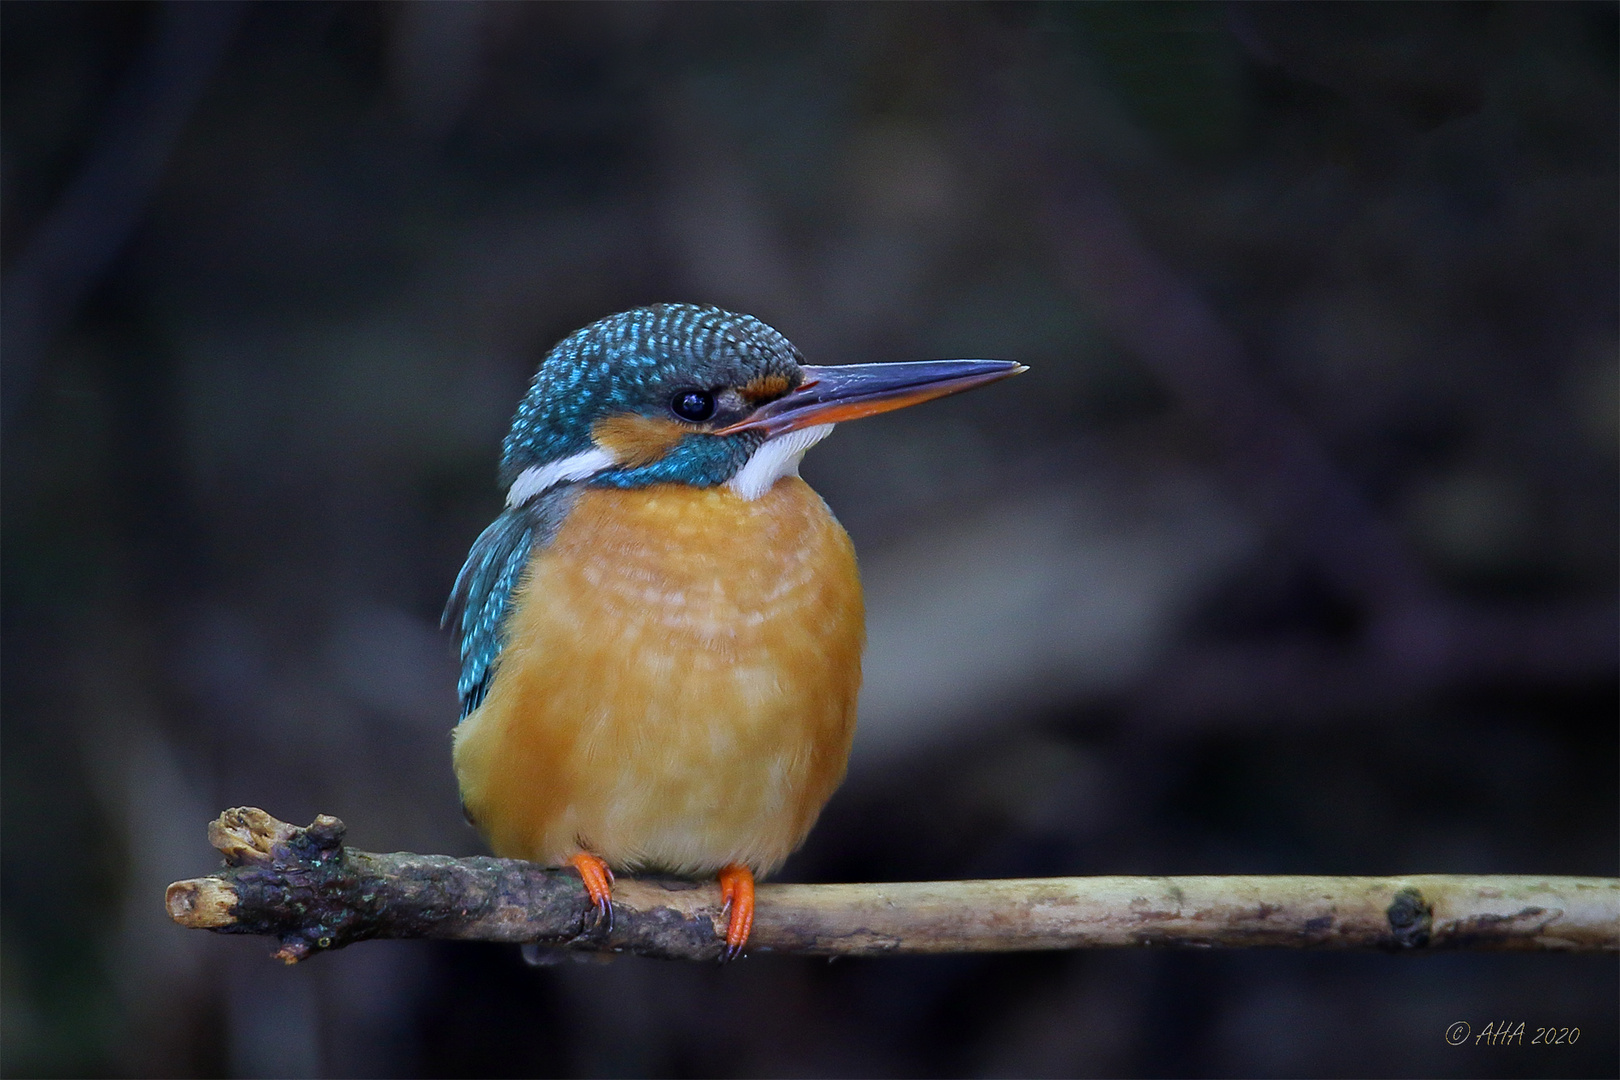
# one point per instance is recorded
(635, 440)
(765, 388)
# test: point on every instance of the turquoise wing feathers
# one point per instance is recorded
(482, 597)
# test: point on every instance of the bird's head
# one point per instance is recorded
(680, 393)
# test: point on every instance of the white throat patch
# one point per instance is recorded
(775, 459)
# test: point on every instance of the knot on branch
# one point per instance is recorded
(1411, 918)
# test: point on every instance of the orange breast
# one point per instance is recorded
(678, 686)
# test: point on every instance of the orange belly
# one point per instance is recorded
(677, 691)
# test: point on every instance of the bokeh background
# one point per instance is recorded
(1295, 551)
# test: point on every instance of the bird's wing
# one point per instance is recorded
(481, 598)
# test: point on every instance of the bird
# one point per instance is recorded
(660, 634)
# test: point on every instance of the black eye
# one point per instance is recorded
(694, 405)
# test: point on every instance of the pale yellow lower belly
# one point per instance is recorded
(678, 688)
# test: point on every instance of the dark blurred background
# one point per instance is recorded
(1295, 551)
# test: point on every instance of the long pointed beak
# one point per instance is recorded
(830, 395)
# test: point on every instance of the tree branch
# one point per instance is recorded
(303, 887)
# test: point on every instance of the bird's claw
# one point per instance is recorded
(598, 879)
(737, 902)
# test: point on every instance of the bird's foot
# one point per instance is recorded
(598, 879)
(737, 898)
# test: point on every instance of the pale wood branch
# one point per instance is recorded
(303, 887)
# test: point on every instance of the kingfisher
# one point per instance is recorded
(661, 633)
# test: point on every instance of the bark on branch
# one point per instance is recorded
(303, 887)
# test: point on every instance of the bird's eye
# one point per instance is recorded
(694, 405)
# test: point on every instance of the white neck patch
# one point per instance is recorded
(537, 478)
(775, 459)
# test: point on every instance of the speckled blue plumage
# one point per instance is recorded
(625, 363)
(482, 594)
(629, 362)
(479, 600)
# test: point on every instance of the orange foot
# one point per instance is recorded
(737, 896)
(598, 879)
